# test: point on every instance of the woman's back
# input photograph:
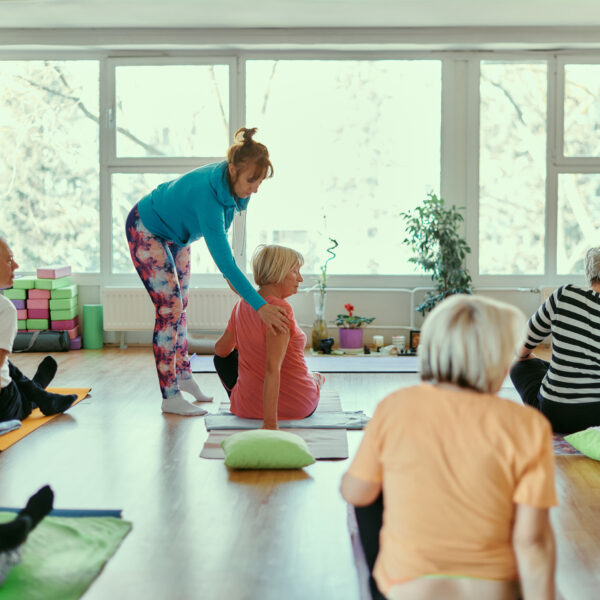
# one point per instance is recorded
(453, 465)
(298, 393)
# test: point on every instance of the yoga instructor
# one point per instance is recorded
(160, 229)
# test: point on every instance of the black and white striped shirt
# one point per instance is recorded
(572, 315)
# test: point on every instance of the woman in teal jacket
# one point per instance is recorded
(160, 229)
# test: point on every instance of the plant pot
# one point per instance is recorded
(351, 338)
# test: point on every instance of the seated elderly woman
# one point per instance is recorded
(566, 389)
(466, 477)
(265, 373)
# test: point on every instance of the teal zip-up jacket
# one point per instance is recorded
(199, 204)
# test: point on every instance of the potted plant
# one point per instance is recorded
(433, 231)
(350, 328)
(319, 329)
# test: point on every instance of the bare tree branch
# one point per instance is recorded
(148, 147)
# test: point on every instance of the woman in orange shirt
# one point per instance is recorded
(265, 373)
(466, 478)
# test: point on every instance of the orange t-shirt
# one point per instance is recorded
(298, 392)
(452, 465)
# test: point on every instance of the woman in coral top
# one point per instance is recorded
(263, 372)
(466, 477)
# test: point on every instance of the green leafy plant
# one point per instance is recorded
(433, 231)
(352, 321)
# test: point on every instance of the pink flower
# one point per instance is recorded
(349, 308)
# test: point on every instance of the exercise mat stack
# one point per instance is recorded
(47, 301)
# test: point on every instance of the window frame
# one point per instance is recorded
(459, 165)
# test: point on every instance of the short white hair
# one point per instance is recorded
(592, 265)
(470, 341)
(271, 263)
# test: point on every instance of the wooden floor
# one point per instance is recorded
(201, 532)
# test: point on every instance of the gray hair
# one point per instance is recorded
(470, 342)
(592, 264)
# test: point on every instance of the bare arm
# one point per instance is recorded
(276, 347)
(535, 549)
(225, 344)
(359, 492)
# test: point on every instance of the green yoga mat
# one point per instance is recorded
(62, 556)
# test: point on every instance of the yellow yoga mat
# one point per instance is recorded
(37, 419)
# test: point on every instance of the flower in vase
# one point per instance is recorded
(350, 320)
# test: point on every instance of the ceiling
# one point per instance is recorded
(296, 13)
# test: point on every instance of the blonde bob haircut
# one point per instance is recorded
(470, 341)
(271, 263)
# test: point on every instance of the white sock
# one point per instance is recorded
(191, 387)
(178, 405)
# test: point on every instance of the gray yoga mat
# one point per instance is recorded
(319, 420)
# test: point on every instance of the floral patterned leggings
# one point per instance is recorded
(164, 268)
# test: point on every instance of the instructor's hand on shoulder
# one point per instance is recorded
(274, 318)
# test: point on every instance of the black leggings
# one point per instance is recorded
(369, 519)
(527, 376)
(227, 370)
(17, 399)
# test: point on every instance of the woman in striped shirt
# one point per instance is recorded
(567, 389)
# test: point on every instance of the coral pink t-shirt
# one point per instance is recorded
(298, 392)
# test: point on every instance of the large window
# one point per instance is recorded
(49, 184)
(355, 140)
(512, 168)
(353, 144)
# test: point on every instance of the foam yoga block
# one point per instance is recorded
(54, 272)
(38, 294)
(19, 304)
(24, 283)
(69, 291)
(63, 303)
(21, 314)
(51, 284)
(63, 315)
(38, 313)
(76, 343)
(15, 294)
(65, 325)
(93, 330)
(35, 303)
(22, 324)
(73, 333)
(37, 324)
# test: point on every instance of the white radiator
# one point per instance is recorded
(130, 309)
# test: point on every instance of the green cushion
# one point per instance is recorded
(266, 449)
(586, 441)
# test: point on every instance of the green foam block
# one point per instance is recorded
(51, 284)
(68, 291)
(24, 283)
(63, 315)
(13, 294)
(21, 324)
(37, 324)
(63, 303)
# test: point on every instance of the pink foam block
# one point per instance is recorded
(64, 325)
(21, 313)
(76, 343)
(35, 294)
(73, 333)
(38, 313)
(54, 272)
(42, 303)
